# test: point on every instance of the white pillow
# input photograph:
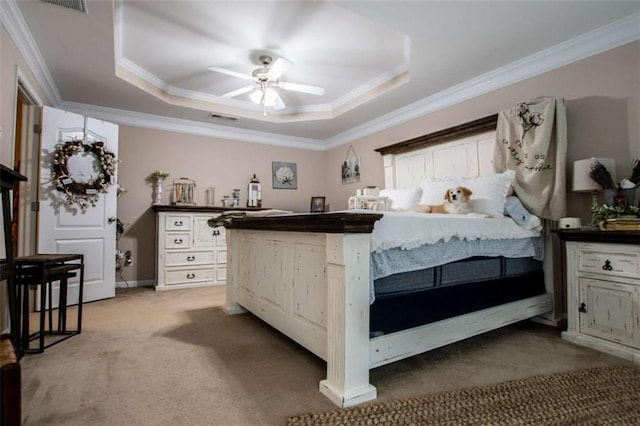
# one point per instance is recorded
(434, 190)
(402, 199)
(489, 192)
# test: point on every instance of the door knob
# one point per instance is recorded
(112, 219)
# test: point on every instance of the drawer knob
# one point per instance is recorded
(191, 276)
(177, 241)
(582, 308)
(607, 266)
(191, 258)
(177, 223)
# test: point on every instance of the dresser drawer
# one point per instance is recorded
(177, 222)
(182, 258)
(188, 275)
(177, 240)
(613, 263)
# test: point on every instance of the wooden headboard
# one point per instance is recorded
(461, 151)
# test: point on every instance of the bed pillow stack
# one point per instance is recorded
(489, 192)
(519, 213)
(402, 199)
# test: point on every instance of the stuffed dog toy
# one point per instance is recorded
(457, 200)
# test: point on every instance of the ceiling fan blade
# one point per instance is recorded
(279, 67)
(238, 92)
(279, 103)
(231, 73)
(313, 90)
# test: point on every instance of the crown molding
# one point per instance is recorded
(610, 36)
(12, 19)
(150, 121)
(616, 34)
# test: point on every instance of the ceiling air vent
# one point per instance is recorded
(222, 117)
(79, 5)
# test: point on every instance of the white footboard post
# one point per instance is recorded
(347, 381)
(233, 271)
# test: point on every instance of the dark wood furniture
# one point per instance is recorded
(44, 270)
(599, 236)
(332, 223)
(9, 181)
(10, 377)
(10, 383)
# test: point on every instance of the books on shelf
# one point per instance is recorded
(623, 224)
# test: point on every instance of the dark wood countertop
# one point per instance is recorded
(333, 223)
(599, 236)
(201, 209)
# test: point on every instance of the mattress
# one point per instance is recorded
(411, 299)
(464, 271)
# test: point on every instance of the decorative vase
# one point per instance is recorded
(630, 193)
(158, 191)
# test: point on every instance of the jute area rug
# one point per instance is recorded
(598, 396)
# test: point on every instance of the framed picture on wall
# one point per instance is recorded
(317, 205)
(284, 175)
(351, 167)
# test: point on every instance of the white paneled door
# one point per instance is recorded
(65, 227)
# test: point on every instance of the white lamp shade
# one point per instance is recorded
(266, 97)
(256, 96)
(581, 170)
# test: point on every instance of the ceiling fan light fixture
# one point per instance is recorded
(266, 97)
(256, 96)
(270, 97)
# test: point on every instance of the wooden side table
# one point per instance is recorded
(603, 286)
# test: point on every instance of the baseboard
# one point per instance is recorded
(138, 283)
(560, 323)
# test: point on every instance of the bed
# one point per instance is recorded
(314, 278)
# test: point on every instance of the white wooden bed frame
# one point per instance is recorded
(311, 282)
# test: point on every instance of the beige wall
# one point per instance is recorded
(603, 114)
(602, 93)
(209, 162)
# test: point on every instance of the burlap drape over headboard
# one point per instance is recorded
(531, 138)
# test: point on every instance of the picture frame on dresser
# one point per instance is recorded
(317, 205)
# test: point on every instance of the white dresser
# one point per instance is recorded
(603, 285)
(189, 253)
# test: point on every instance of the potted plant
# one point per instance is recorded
(621, 217)
(157, 178)
(157, 175)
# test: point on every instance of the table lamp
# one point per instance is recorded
(583, 183)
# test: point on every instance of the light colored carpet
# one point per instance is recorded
(595, 396)
(175, 358)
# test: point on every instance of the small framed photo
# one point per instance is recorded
(317, 205)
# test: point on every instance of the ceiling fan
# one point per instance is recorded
(265, 79)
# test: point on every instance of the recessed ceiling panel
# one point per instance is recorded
(167, 48)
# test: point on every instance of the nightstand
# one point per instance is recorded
(603, 286)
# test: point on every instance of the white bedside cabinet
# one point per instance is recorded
(603, 286)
